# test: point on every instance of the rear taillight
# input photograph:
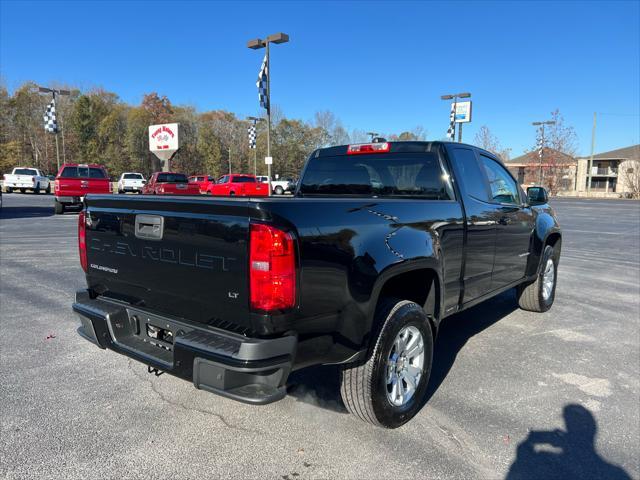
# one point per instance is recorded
(33, 179)
(272, 268)
(82, 239)
(368, 148)
(56, 185)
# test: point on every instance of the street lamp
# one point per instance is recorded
(257, 44)
(55, 92)
(373, 135)
(452, 126)
(254, 121)
(541, 149)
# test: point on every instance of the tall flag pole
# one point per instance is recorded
(451, 131)
(262, 84)
(51, 124)
(252, 144)
(264, 96)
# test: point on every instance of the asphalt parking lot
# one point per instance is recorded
(513, 394)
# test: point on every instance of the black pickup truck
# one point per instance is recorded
(379, 243)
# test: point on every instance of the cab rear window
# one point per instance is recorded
(172, 178)
(83, 172)
(244, 180)
(400, 174)
(24, 171)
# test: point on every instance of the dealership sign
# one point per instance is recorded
(463, 112)
(163, 140)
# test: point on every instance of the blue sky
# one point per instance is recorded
(376, 65)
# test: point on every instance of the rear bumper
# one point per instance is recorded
(245, 369)
(69, 200)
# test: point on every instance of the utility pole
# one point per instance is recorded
(541, 149)
(255, 45)
(593, 147)
(229, 160)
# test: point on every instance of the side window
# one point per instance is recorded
(503, 187)
(472, 176)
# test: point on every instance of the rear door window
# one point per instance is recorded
(471, 174)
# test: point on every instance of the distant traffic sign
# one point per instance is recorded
(163, 140)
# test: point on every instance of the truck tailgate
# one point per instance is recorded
(181, 256)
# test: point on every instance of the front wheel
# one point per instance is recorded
(8, 190)
(389, 389)
(48, 190)
(36, 189)
(278, 190)
(23, 190)
(538, 296)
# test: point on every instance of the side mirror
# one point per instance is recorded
(537, 196)
(144, 182)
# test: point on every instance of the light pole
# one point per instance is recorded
(54, 91)
(541, 149)
(452, 126)
(257, 44)
(254, 121)
(373, 135)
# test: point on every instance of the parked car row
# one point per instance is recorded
(74, 181)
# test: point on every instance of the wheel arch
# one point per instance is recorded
(420, 283)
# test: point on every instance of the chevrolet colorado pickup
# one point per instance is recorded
(379, 244)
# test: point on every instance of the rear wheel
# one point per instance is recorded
(58, 208)
(8, 189)
(48, 190)
(23, 190)
(278, 190)
(390, 387)
(36, 189)
(538, 296)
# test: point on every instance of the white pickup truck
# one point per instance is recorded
(131, 182)
(23, 179)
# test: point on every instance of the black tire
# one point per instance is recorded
(278, 190)
(8, 190)
(48, 190)
(232, 194)
(531, 295)
(36, 190)
(58, 208)
(23, 190)
(364, 386)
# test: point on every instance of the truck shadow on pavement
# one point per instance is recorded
(26, 212)
(568, 453)
(320, 385)
(455, 332)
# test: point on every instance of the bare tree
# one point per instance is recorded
(487, 140)
(630, 173)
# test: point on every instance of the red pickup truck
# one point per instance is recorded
(170, 183)
(74, 181)
(239, 185)
(203, 182)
